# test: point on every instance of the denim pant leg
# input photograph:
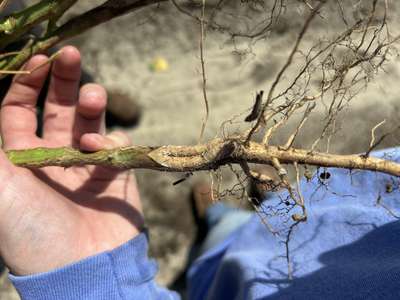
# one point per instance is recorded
(222, 220)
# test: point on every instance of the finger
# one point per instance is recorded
(95, 142)
(90, 112)
(6, 169)
(18, 112)
(59, 111)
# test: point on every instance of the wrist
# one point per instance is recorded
(59, 251)
(116, 274)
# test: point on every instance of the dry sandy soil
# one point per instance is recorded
(118, 56)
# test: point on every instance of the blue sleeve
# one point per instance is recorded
(123, 273)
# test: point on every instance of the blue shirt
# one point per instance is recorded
(349, 248)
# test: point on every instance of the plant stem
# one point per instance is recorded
(208, 156)
(13, 27)
(103, 13)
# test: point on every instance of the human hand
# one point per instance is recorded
(54, 216)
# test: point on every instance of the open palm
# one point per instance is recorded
(61, 215)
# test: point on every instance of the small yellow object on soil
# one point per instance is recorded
(159, 64)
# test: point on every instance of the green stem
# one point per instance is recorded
(131, 157)
(103, 13)
(57, 14)
(13, 27)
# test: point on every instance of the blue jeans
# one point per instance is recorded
(222, 220)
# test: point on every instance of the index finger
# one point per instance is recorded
(18, 112)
